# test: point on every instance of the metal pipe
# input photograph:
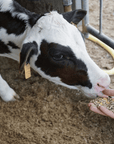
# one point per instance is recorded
(100, 17)
(85, 21)
(101, 36)
(106, 47)
(67, 2)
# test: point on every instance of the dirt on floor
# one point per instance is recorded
(50, 114)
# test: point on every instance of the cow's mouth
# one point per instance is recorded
(101, 89)
(98, 91)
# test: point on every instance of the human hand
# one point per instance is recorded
(101, 109)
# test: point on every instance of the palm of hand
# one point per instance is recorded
(101, 109)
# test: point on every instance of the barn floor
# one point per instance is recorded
(51, 114)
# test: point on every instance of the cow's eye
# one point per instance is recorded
(57, 57)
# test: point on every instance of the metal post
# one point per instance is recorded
(85, 21)
(78, 5)
(67, 2)
(100, 19)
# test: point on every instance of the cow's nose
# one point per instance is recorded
(102, 84)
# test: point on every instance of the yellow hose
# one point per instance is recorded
(106, 47)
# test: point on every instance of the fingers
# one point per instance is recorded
(106, 112)
(103, 95)
(93, 108)
(101, 110)
(109, 92)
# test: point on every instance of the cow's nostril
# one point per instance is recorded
(100, 85)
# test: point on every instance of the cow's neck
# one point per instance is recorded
(13, 44)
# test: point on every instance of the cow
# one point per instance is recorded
(51, 45)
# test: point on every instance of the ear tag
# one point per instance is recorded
(27, 71)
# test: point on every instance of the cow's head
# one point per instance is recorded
(56, 50)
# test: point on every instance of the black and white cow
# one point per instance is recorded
(53, 47)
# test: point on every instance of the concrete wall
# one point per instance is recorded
(43, 6)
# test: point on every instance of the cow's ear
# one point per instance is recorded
(74, 16)
(28, 50)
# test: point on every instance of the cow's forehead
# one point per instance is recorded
(52, 19)
(54, 28)
(54, 23)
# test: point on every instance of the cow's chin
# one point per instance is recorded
(92, 94)
(85, 90)
(89, 95)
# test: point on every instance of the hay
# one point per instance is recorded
(106, 102)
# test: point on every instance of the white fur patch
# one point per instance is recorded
(6, 93)
(12, 37)
(18, 40)
(5, 5)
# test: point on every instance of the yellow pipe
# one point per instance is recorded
(106, 47)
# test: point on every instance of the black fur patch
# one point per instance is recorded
(12, 25)
(4, 48)
(16, 25)
(13, 45)
(59, 61)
